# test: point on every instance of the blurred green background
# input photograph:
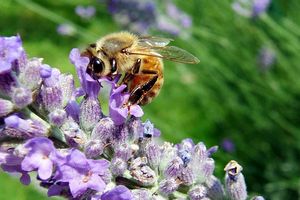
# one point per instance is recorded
(231, 97)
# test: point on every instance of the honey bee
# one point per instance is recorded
(138, 58)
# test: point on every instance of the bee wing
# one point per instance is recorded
(171, 53)
(150, 41)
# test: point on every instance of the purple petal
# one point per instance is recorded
(40, 144)
(32, 162)
(55, 190)
(45, 169)
(136, 111)
(118, 115)
(77, 187)
(156, 132)
(25, 179)
(96, 183)
(72, 109)
(99, 166)
(120, 192)
(45, 71)
(67, 173)
(77, 159)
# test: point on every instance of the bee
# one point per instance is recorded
(138, 58)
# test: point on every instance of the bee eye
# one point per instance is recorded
(97, 65)
(113, 64)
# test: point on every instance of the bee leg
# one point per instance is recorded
(139, 92)
(134, 70)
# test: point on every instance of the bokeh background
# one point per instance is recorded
(244, 96)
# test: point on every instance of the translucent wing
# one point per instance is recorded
(150, 41)
(167, 52)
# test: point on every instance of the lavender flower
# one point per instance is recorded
(40, 157)
(143, 16)
(235, 182)
(228, 145)
(250, 8)
(66, 29)
(6, 107)
(10, 50)
(82, 173)
(118, 109)
(85, 12)
(78, 152)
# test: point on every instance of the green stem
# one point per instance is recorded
(56, 18)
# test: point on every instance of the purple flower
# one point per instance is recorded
(25, 178)
(40, 157)
(234, 181)
(259, 7)
(228, 145)
(45, 71)
(85, 12)
(120, 192)
(31, 128)
(11, 163)
(10, 50)
(6, 107)
(149, 130)
(118, 110)
(82, 173)
(90, 86)
(66, 29)
(138, 16)
(250, 8)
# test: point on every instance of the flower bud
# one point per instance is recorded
(187, 176)
(215, 188)
(7, 83)
(66, 83)
(142, 194)
(168, 186)
(141, 172)
(74, 135)
(186, 144)
(208, 168)
(57, 117)
(153, 154)
(94, 148)
(121, 133)
(30, 74)
(174, 168)
(90, 113)
(21, 97)
(200, 151)
(103, 130)
(235, 182)
(185, 156)
(45, 71)
(51, 98)
(135, 127)
(198, 192)
(31, 128)
(118, 166)
(6, 107)
(168, 152)
(123, 151)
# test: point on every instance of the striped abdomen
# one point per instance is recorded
(150, 67)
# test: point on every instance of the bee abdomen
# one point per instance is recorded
(149, 96)
(153, 66)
